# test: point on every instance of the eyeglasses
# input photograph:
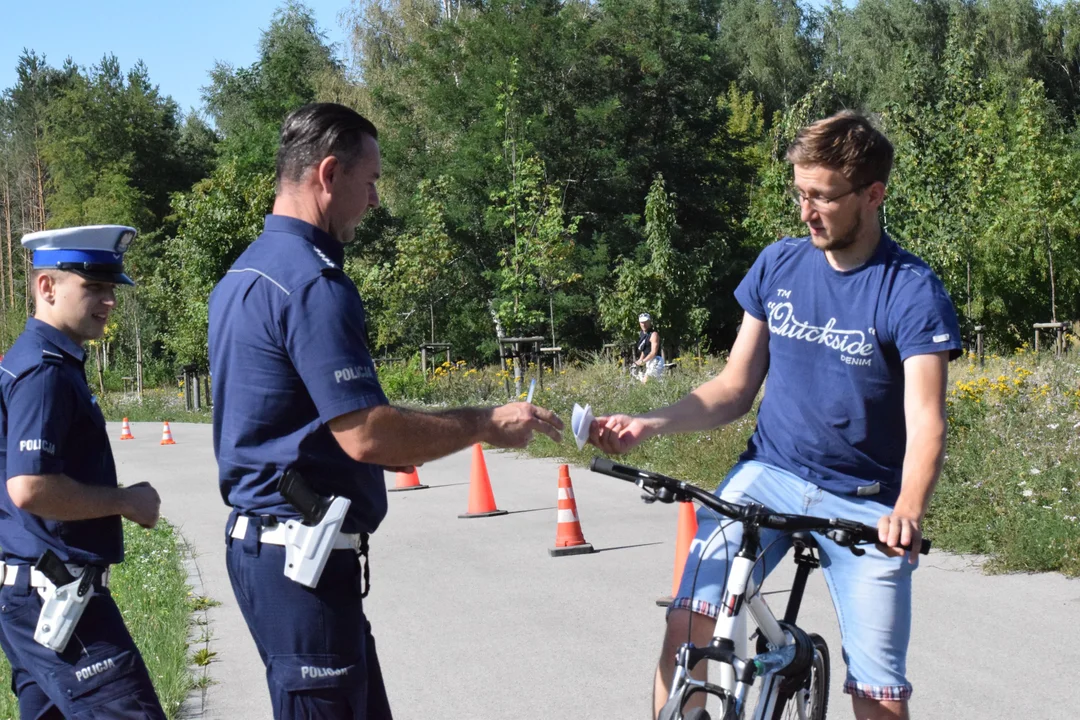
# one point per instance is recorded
(819, 202)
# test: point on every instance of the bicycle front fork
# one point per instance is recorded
(720, 650)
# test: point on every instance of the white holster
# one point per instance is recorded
(61, 609)
(307, 547)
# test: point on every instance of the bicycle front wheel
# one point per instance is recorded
(812, 696)
(674, 711)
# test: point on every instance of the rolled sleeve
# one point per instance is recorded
(40, 406)
(326, 338)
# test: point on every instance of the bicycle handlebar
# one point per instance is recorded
(666, 489)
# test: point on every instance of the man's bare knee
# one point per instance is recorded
(682, 626)
(685, 626)
(870, 709)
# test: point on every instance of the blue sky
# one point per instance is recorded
(179, 40)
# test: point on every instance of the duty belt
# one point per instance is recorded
(9, 574)
(272, 532)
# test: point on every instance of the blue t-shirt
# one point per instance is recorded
(52, 425)
(288, 353)
(833, 410)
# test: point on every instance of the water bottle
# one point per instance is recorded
(774, 661)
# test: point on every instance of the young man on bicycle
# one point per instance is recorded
(855, 335)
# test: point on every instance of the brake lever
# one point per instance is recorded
(844, 538)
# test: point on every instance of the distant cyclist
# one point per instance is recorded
(650, 361)
(855, 334)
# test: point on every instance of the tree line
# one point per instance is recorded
(554, 168)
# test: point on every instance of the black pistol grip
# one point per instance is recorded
(51, 567)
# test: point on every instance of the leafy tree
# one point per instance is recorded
(771, 44)
(530, 213)
(660, 280)
(249, 104)
(421, 281)
(216, 221)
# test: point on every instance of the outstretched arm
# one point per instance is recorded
(725, 398)
(397, 437)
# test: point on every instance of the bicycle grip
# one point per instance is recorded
(602, 465)
(615, 470)
(870, 534)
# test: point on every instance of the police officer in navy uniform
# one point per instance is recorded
(61, 493)
(295, 392)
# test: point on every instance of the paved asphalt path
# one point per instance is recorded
(474, 621)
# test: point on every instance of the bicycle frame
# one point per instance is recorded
(729, 644)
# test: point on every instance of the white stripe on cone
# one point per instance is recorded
(566, 493)
(567, 516)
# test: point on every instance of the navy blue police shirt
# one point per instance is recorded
(52, 425)
(288, 353)
(833, 410)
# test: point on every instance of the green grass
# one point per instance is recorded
(1010, 489)
(151, 589)
(157, 405)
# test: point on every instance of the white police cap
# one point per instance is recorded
(95, 252)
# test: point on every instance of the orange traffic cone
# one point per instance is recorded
(568, 537)
(481, 499)
(125, 431)
(683, 538)
(166, 435)
(407, 481)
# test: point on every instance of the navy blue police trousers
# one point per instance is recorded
(316, 643)
(100, 674)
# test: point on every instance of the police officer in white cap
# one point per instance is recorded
(60, 507)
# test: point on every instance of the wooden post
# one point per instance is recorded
(423, 360)
(189, 397)
(979, 344)
(502, 365)
(99, 350)
(517, 369)
(1059, 330)
(138, 348)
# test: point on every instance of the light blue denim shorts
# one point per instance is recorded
(871, 594)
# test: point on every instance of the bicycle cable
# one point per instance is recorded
(721, 529)
(784, 534)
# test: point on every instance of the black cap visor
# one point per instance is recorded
(113, 274)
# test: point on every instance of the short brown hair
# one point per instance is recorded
(316, 131)
(847, 143)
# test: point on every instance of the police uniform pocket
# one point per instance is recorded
(296, 673)
(103, 676)
(14, 606)
(316, 686)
